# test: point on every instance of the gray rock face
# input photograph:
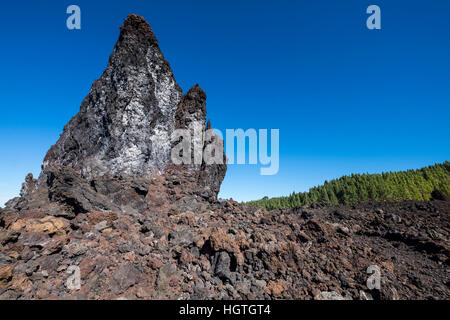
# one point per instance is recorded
(28, 186)
(190, 114)
(121, 139)
(124, 124)
(67, 188)
(222, 266)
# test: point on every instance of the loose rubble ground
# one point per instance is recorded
(185, 247)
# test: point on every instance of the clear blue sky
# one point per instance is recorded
(346, 99)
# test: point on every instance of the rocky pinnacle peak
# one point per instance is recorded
(121, 139)
(125, 123)
(136, 23)
(137, 26)
(192, 108)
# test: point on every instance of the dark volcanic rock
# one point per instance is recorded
(125, 123)
(191, 115)
(438, 195)
(121, 138)
(223, 251)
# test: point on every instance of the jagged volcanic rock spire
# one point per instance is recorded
(121, 138)
(124, 124)
(191, 114)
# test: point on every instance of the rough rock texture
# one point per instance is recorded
(184, 247)
(122, 136)
(125, 123)
(191, 115)
(110, 207)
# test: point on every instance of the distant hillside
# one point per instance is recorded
(388, 186)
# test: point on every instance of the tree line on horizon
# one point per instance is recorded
(357, 188)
